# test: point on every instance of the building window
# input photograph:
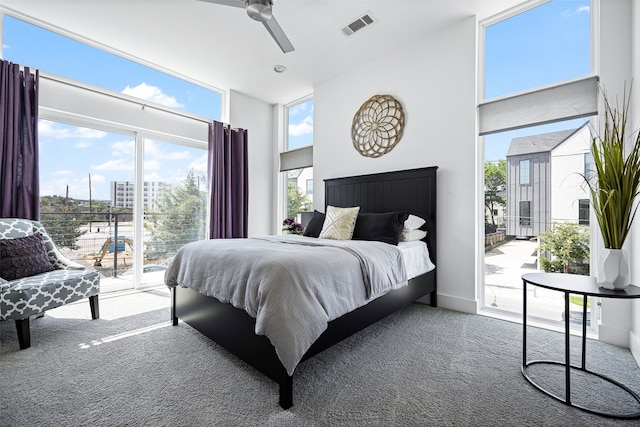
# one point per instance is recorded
(587, 165)
(583, 212)
(525, 172)
(310, 186)
(525, 213)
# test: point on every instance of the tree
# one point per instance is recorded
(181, 215)
(567, 243)
(495, 181)
(297, 201)
(61, 219)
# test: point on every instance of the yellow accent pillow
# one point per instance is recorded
(339, 223)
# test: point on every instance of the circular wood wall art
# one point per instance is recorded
(377, 126)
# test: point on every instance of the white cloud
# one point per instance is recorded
(152, 93)
(200, 164)
(83, 144)
(115, 165)
(297, 109)
(585, 8)
(303, 128)
(77, 187)
(98, 179)
(123, 148)
(156, 177)
(152, 165)
(60, 131)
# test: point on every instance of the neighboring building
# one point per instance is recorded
(122, 194)
(545, 183)
(303, 178)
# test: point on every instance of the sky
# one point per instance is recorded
(73, 156)
(546, 45)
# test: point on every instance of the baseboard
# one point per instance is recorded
(613, 335)
(458, 304)
(634, 346)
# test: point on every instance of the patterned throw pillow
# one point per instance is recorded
(22, 257)
(339, 223)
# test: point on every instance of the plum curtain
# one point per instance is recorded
(19, 177)
(228, 181)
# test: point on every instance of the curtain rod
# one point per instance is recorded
(124, 97)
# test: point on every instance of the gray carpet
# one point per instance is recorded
(419, 367)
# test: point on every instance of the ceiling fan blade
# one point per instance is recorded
(234, 3)
(278, 34)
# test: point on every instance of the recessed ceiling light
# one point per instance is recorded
(279, 69)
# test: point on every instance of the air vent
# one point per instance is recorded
(358, 24)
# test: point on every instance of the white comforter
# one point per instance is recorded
(292, 285)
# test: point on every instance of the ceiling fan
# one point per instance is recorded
(261, 10)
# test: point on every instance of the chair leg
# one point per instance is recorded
(24, 333)
(95, 309)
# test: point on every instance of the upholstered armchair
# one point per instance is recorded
(35, 276)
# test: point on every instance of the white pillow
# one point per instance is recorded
(339, 223)
(407, 235)
(414, 222)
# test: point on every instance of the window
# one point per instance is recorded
(47, 51)
(296, 161)
(583, 212)
(525, 213)
(300, 125)
(96, 158)
(541, 46)
(525, 172)
(587, 165)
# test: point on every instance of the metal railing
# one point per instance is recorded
(105, 241)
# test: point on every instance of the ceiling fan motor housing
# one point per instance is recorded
(259, 10)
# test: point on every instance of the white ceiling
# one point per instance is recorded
(222, 47)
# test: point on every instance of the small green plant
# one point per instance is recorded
(568, 244)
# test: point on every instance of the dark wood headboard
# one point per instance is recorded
(412, 190)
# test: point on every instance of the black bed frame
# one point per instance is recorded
(409, 190)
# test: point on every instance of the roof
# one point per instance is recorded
(541, 143)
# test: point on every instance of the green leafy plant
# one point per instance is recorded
(616, 181)
(568, 244)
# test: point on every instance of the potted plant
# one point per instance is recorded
(290, 226)
(614, 186)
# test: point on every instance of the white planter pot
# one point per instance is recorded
(613, 269)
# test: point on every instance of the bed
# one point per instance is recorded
(413, 191)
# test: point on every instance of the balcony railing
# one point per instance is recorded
(105, 241)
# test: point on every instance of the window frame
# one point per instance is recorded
(482, 101)
(524, 220)
(67, 88)
(584, 211)
(522, 172)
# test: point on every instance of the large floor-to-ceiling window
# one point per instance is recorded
(122, 144)
(534, 160)
(296, 159)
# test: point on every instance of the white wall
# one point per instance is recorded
(567, 186)
(615, 58)
(257, 117)
(435, 81)
(634, 335)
